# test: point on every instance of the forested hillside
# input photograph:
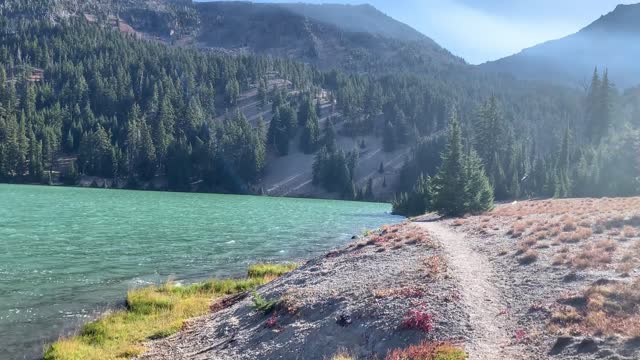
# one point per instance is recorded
(84, 95)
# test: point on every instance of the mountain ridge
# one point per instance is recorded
(611, 42)
(356, 38)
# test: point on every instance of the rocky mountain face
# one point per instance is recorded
(612, 41)
(354, 38)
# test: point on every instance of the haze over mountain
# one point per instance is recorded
(611, 42)
(359, 38)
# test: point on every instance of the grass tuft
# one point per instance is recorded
(604, 310)
(342, 355)
(428, 351)
(270, 270)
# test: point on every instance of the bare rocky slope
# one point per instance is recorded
(555, 279)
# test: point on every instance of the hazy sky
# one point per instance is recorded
(482, 30)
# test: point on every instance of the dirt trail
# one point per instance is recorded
(485, 304)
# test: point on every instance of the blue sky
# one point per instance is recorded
(482, 30)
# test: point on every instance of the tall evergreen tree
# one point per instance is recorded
(449, 185)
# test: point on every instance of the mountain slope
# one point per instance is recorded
(323, 39)
(354, 38)
(358, 18)
(612, 42)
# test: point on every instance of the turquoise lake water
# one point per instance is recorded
(67, 254)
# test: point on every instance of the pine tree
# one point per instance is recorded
(449, 185)
(36, 162)
(262, 94)
(147, 157)
(310, 138)
(232, 92)
(562, 182)
(604, 106)
(489, 132)
(329, 136)
(478, 189)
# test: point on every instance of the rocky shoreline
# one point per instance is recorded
(481, 284)
(361, 299)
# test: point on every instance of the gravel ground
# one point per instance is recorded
(353, 299)
(533, 291)
(492, 283)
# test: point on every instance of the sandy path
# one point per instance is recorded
(492, 332)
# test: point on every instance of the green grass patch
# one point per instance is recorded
(152, 313)
(270, 270)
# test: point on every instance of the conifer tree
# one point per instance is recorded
(449, 185)
(478, 189)
(329, 136)
(310, 137)
(562, 182)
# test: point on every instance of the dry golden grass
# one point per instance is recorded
(593, 231)
(395, 237)
(629, 232)
(342, 355)
(458, 222)
(605, 310)
(436, 266)
(403, 292)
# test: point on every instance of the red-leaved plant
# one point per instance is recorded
(272, 322)
(418, 319)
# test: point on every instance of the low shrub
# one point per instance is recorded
(569, 225)
(263, 305)
(529, 257)
(272, 322)
(418, 319)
